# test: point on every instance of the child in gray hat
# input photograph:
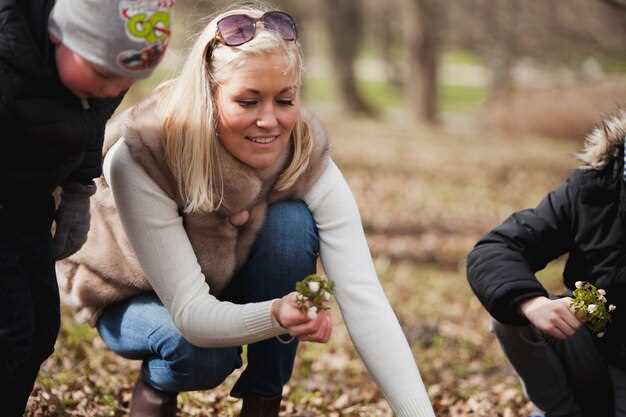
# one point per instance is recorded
(64, 68)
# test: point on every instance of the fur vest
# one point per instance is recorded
(106, 268)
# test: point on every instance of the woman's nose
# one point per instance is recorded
(267, 119)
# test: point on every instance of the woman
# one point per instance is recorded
(199, 164)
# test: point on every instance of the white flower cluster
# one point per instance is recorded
(590, 300)
(312, 296)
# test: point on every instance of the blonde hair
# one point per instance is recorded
(190, 115)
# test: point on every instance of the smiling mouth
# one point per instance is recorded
(264, 140)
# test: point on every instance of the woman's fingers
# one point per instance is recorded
(287, 312)
(318, 330)
(323, 334)
(308, 328)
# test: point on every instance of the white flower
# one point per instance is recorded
(591, 308)
(578, 284)
(601, 292)
(312, 313)
(314, 286)
(326, 295)
(601, 334)
(612, 307)
(602, 298)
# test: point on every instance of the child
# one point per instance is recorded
(64, 68)
(565, 369)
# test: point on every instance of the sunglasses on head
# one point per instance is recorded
(237, 29)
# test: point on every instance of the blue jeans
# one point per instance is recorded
(284, 252)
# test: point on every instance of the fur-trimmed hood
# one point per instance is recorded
(604, 143)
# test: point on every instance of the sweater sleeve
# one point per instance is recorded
(155, 231)
(371, 322)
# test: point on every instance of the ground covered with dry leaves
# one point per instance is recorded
(426, 197)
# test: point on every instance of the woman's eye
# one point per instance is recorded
(285, 101)
(247, 103)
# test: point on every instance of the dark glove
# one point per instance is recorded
(72, 219)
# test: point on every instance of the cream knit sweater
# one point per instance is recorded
(155, 231)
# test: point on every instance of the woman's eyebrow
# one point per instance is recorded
(284, 90)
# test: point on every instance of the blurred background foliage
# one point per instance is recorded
(549, 68)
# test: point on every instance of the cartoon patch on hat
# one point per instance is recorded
(146, 22)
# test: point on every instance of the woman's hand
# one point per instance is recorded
(553, 317)
(286, 312)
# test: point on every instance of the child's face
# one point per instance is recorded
(85, 79)
(258, 108)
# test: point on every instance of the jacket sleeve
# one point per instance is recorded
(501, 267)
(13, 33)
(10, 84)
(91, 165)
(6, 98)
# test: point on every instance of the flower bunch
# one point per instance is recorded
(314, 291)
(589, 305)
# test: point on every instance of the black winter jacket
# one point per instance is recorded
(585, 218)
(48, 137)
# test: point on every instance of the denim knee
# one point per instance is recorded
(289, 228)
(180, 366)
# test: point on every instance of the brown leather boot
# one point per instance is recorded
(150, 402)
(256, 406)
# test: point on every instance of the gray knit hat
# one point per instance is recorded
(126, 37)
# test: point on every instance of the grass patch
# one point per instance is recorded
(613, 65)
(461, 57)
(458, 98)
(377, 94)
(381, 95)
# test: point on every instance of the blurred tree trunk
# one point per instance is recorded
(345, 28)
(501, 21)
(424, 41)
(389, 32)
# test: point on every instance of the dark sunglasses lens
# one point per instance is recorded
(236, 29)
(281, 23)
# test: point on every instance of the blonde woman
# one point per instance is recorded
(225, 194)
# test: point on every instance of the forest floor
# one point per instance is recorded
(425, 196)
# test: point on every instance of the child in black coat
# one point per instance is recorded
(64, 68)
(566, 369)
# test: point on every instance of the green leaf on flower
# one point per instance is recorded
(590, 307)
(314, 291)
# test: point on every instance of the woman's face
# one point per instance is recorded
(258, 107)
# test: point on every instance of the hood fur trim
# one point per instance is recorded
(604, 143)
